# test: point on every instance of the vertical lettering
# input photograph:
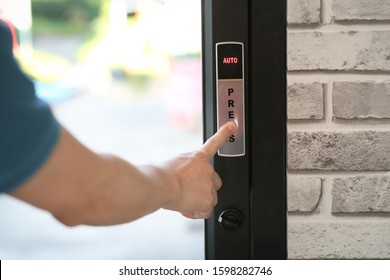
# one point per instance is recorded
(231, 103)
(230, 91)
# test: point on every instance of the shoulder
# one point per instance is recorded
(5, 36)
(4, 28)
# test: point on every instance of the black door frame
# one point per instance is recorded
(253, 196)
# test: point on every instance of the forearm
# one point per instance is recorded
(127, 193)
(122, 194)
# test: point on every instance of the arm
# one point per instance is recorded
(79, 186)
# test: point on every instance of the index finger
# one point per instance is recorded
(215, 142)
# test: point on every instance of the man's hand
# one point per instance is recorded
(79, 186)
(196, 182)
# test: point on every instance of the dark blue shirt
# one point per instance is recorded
(28, 130)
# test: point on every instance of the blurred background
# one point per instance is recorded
(124, 76)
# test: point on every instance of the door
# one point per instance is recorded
(244, 79)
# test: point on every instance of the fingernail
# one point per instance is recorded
(232, 126)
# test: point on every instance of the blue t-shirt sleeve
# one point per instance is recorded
(28, 129)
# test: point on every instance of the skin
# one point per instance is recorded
(79, 186)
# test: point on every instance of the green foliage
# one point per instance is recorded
(81, 10)
(65, 16)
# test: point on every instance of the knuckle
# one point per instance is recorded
(215, 200)
(200, 155)
(210, 202)
(207, 215)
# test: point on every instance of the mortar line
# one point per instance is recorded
(328, 102)
(337, 173)
(326, 11)
(330, 76)
(333, 127)
(352, 218)
(363, 26)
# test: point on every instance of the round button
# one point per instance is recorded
(231, 219)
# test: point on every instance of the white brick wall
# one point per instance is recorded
(361, 100)
(303, 194)
(303, 11)
(361, 194)
(355, 10)
(341, 150)
(339, 240)
(339, 50)
(305, 101)
(339, 129)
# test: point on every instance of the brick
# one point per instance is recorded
(347, 10)
(319, 150)
(360, 50)
(303, 11)
(361, 194)
(303, 194)
(339, 240)
(361, 100)
(305, 101)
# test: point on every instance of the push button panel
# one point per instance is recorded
(230, 95)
